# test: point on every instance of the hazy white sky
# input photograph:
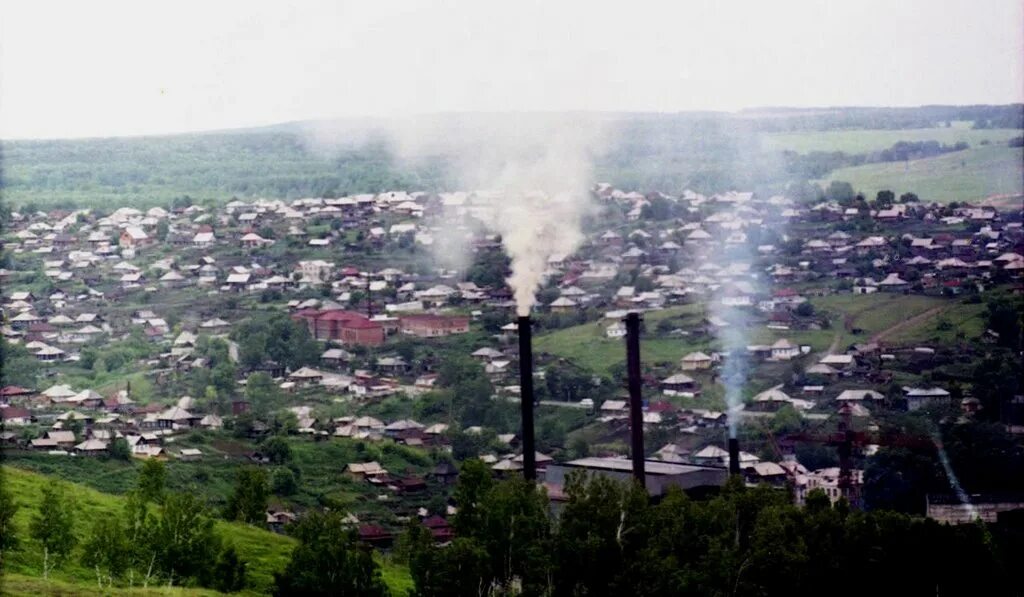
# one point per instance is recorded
(93, 68)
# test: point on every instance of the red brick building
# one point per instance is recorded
(426, 325)
(347, 327)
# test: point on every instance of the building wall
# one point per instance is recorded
(961, 513)
(433, 327)
(657, 485)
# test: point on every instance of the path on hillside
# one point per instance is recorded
(920, 317)
(848, 320)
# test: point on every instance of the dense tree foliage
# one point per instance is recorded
(279, 339)
(248, 500)
(610, 540)
(8, 531)
(53, 527)
(329, 560)
(183, 539)
(152, 480)
(20, 367)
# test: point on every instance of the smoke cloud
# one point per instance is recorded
(530, 175)
(731, 315)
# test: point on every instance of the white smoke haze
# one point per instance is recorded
(734, 337)
(954, 481)
(530, 175)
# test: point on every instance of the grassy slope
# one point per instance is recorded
(867, 140)
(266, 552)
(969, 175)
(587, 346)
(965, 322)
(20, 584)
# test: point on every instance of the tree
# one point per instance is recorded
(475, 482)
(107, 549)
(885, 198)
(261, 391)
(279, 339)
(565, 382)
(329, 560)
(285, 422)
(489, 269)
(839, 191)
(183, 539)
(276, 448)
(139, 530)
(458, 570)
(8, 531)
(805, 192)
(53, 527)
(152, 480)
(805, 309)
(643, 284)
(898, 479)
(119, 449)
(162, 227)
(19, 368)
(229, 572)
(248, 501)
(657, 208)
(509, 521)
(1005, 318)
(283, 482)
(413, 542)
(598, 527)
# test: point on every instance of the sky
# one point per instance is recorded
(111, 68)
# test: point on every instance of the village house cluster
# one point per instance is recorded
(357, 273)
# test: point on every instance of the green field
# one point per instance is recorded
(265, 552)
(959, 322)
(868, 140)
(587, 346)
(970, 175)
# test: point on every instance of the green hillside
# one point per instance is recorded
(970, 175)
(587, 346)
(264, 551)
(868, 140)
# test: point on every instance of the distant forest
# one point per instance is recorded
(707, 152)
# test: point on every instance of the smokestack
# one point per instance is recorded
(526, 395)
(636, 415)
(734, 456)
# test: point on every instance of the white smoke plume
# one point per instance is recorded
(732, 321)
(954, 481)
(531, 175)
(734, 372)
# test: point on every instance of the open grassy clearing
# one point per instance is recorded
(971, 175)
(587, 345)
(28, 586)
(868, 140)
(854, 318)
(959, 322)
(265, 552)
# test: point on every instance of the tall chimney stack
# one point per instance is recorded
(526, 396)
(636, 414)
(734, 456)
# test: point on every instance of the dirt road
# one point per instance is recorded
(907, 323)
